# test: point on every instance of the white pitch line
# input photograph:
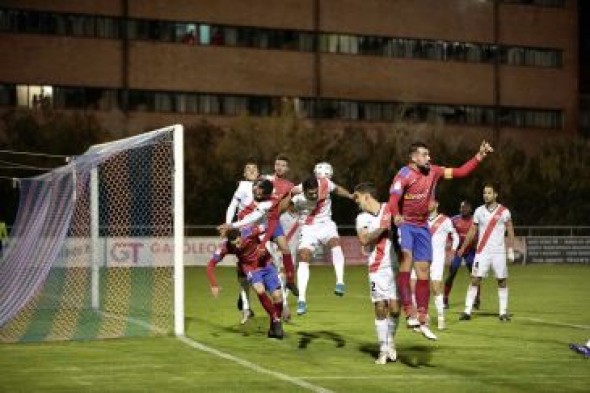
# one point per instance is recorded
(439, 376)
(586, 327)
(295, 381)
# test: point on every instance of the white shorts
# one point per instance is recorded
(382, 285)
(483, 262)
(437, 266)
(313, 235)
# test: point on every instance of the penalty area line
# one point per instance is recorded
(254, 367)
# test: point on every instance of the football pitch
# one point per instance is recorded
(332, 348)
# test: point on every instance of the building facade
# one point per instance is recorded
(481, 68)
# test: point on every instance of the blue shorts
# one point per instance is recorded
(456, 262)
(268, 276)
(278, 232)
(417, 240)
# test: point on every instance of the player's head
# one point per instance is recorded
(281, 165)
(262, 189)
(490, 193)
(364, 194)
(311, 188)
(251, 172)
(420, 156)
(433, 205)
(323, 169)
(465, 208)
(233, 237)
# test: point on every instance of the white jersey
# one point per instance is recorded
(290, 223)
(254, 213)
(242, 198)
(380, 252)
(440, 228)
(491, 241)
(320, 210)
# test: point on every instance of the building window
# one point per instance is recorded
(34, 96)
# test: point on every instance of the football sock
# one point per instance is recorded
(268, 306)
(503, 300)
(393, 323)
(302, 279)
(245, 300)
(289, 268)
(382, 329)
(338, 262)
(422, 299)
(470, 298)
(405, 293)
(439, 304)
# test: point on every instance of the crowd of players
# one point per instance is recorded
(270, 220)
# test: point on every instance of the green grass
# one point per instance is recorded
(333, 346)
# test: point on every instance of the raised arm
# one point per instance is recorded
(343, 192)
(231, 211)
(464, 170)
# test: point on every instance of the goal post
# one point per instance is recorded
(80, 260)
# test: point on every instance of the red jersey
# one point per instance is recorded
(246, 253)
(415, 191)
(281, 186)
(462, 225)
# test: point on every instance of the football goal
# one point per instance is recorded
(77, 264)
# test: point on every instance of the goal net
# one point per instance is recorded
(77, 264)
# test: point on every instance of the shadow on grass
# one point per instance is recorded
(415, 356)
(306, 338)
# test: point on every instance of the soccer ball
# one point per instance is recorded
(323, 169)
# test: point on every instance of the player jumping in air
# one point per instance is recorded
(411, 191)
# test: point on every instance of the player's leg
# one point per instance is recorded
(328, 235)
(244, 298)
(403, 276)
(469, 257)
(453, 269)
(436, 273)
(288, 265)
(501, 272)
(481, 265)
(413, 278)
(382, 287)
(422, 259)
(273, 286)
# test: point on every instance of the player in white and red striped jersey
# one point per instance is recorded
(243, 197)
(492, 221)
(373, 227)
(317, 228)
(441, 228)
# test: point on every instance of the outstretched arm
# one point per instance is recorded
(343, 192)
(484, 149)
(231, 211)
